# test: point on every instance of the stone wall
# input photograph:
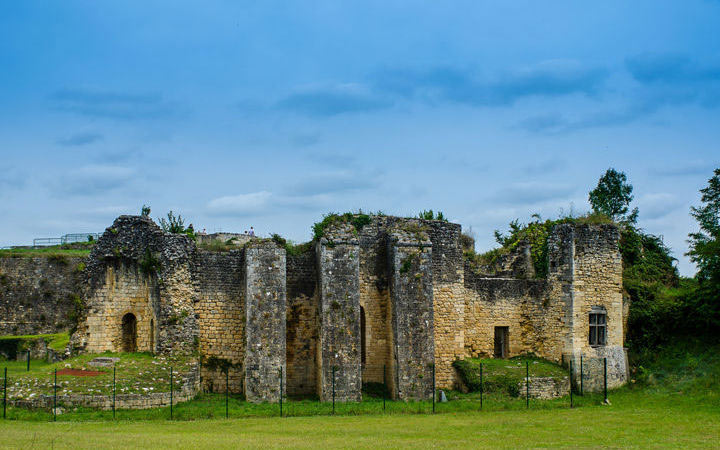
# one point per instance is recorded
(265, 323)
(339, 360)
(585, 271)
(544, 388)
(136, 268)
(520, 305)
(411, 294)
(448, 299)
(220, 311)
(302, 324)
(348, 303)
(39, 295)
(375, 299)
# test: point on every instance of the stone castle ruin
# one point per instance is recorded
(392, 300)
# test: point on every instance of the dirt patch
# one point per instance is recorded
(80, 373)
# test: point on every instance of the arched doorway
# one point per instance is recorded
(129, 333)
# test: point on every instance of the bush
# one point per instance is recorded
(358, 221)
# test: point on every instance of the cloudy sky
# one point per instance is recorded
(273, 113)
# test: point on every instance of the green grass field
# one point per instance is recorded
(635, 419)
(673, 402)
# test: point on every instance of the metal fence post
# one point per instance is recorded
(571, 383)
(5, 395)
(481, 385)
(582, 391)
(171, 393)
(605, 378)
(527, 384)
(384, 386)
(28, 361)
(113, 391)
(281, 391)
(54, 397)
(433, 390)
(333, 389)
(227, 390)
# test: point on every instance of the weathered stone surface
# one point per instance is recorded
(265, 308)
(39, 295)
(220, 310)
(411, 294)
(349, 303)
(544, 388)
(302, 323)
(339, 360)
(103, 362)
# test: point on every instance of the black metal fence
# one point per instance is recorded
(379, 396)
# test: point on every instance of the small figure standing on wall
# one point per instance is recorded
(252, 231)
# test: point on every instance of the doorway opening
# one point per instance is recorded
(502, 338)
(129, 333)
(363, 342)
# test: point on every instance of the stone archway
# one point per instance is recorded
(129, 333)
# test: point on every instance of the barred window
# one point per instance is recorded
(598, 326)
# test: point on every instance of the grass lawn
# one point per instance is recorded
(635, 419)
(55, 251)
(56, 341)
(504, 375)
(136, 373)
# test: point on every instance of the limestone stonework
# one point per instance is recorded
(389, 299)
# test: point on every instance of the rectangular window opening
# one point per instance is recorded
(598, 327)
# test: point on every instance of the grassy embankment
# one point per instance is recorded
(77, 249)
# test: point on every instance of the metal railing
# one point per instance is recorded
(66, 239)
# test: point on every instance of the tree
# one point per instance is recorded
(173, 224)
(705, 244)
(704, 304)
(145, 211)
(612, 197)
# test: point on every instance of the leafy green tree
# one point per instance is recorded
(705, 252)
(612, 197)
(145, 211)
(705, 244)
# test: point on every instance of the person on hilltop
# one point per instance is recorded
(252, 231)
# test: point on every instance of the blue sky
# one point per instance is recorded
(273, 113)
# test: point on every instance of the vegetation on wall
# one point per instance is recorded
(663, 305)
(175, 224)
(290, 247)
(430, 215)
(357, 220)
(535, 233)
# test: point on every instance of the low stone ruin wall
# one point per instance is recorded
(190, 388)
(545, 387)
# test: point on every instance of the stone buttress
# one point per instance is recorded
(339, 365)
(411, 295)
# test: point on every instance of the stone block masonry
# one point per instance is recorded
(220, 310)
(374, 296)
(265, 309)
(411, 294)
(39, 295)
(339, 364)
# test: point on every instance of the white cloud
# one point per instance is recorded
(241, 204)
